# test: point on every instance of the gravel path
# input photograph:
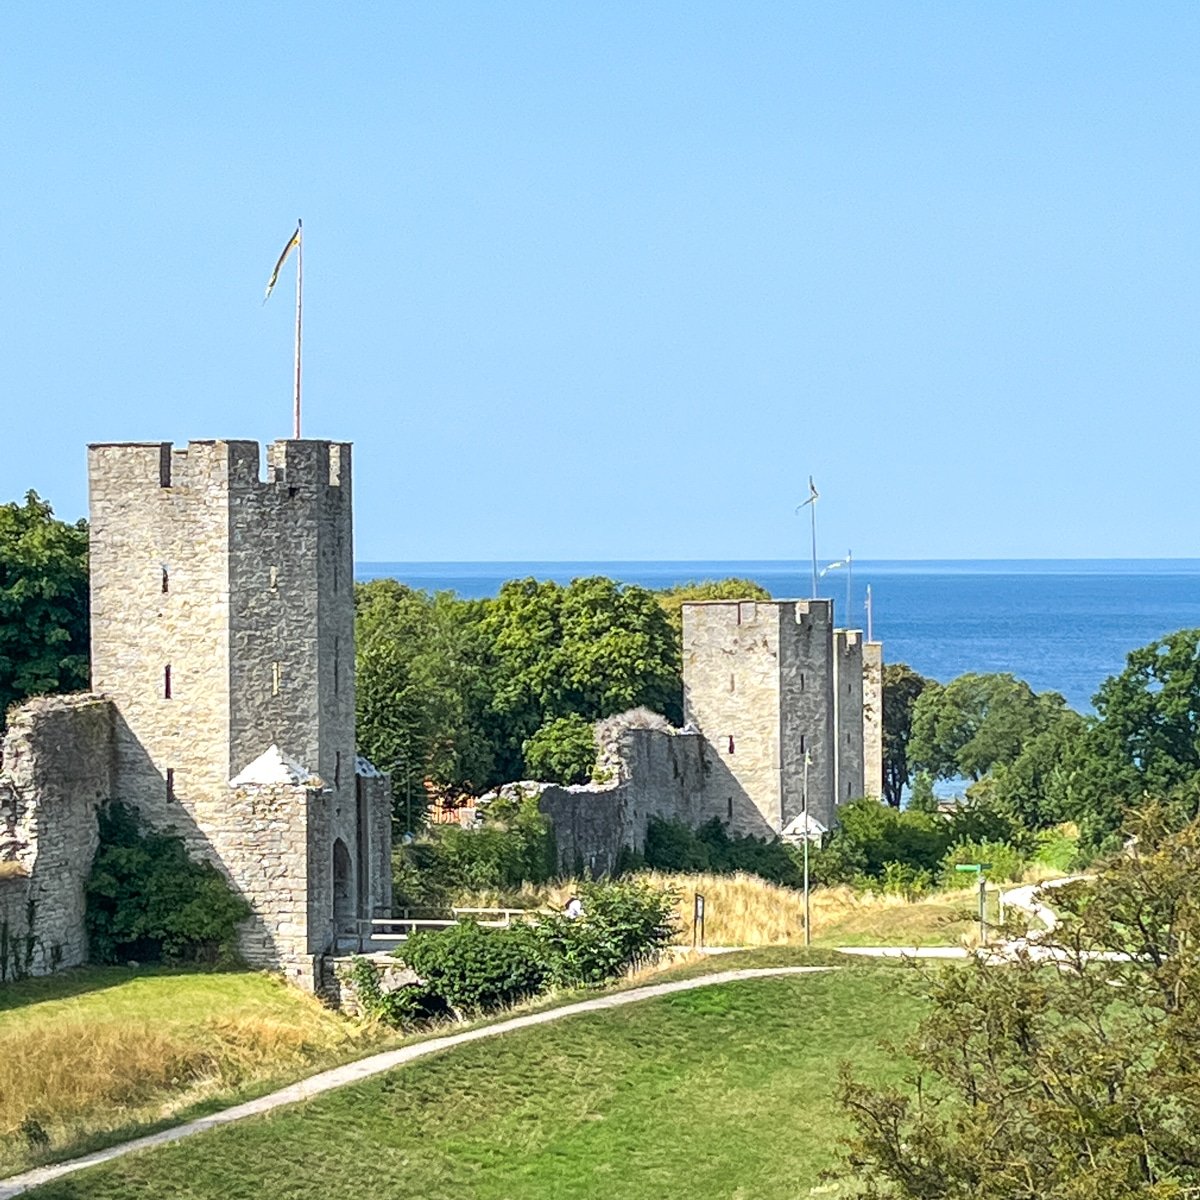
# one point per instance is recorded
(364, 1068)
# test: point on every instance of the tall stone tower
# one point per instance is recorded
(223, 631)
(758, 680)
(848, 710)
(873, 719)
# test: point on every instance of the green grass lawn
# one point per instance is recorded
(721, 1092)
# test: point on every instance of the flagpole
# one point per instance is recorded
(299, 324)
(813, 505)
(849, 576)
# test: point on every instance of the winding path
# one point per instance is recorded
(364, 1068)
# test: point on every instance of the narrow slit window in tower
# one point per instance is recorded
(802, 681)
(275, 679)
(167, 682)
(731, 683)
(729, 810)
(802, 743)
(731, 743)
(337, 769)
(170, 785)
(166, 579)
(274, 579)
(337, 663)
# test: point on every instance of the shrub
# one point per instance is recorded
(399, 1007)
(900, 879)
(562, 751)
(146, 898)
(674, 846)
(1007, 863)
(476, 970)
(623, 924)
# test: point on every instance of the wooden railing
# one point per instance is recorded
(373, 929)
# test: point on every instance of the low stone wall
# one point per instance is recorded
(337, 989)
(57, 756)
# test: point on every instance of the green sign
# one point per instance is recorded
(974, 867)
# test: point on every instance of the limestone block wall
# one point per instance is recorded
(848, 713)
(375, 800)
(731, 692)
(57, 771)
(267, 825)
(654, 770)
(223, 622)
(873, 719)
(806, 684)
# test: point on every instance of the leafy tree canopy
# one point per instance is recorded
(975, 722)
(902, 687)
(673, 599)
(1079, 1083)
(562, 751)
(43, 602)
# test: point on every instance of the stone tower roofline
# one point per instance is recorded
(304, 463)
(818, 609)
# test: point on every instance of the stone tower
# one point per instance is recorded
(873, 719)
(848, 712)
(758, 679)
(223, 631)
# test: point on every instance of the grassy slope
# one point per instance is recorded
(89, 1056)
(720, 1092)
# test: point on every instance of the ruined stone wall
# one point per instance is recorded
(806, 706)
(375, 818)
(848, 692)
(731, 692)
(873, 719)
(57, 770)
(654, 770)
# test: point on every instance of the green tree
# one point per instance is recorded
(902, 687)
(971, 724)
(1081, 1083)
(43, 602)
(562, 751)
(1035, 786)
(593, 648)
(422, 688)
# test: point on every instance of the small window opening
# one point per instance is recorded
(731, 683)
(847, 791)
(802, 747)
(847, 738)
(167, 682)
(337, 664)
(337, 769)
(170, 785)
(166, 580)
(731, 743)
(729, 809)
(274, 579)
(275, 679)
(802, 681)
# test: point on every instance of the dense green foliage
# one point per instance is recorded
(477, 970)
(1080, 1083)
(43, 602)
(513, 846)
(977, 722)
(474, 969)
(674, 846)
(902, 686)
(146, 899)
(673, 599)
(562, 751)
(460, 692)
(624, 923)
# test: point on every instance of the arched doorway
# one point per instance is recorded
(343, 887)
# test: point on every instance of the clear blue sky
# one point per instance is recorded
(609, 280)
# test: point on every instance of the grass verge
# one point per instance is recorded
(726, 1091)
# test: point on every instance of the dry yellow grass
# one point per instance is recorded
(148, 1048)
(744, 910)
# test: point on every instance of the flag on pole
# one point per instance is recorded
(293, 242)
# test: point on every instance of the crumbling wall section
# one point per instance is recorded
(649, 770)
(57, 771)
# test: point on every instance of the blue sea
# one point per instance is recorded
(1064, 625)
